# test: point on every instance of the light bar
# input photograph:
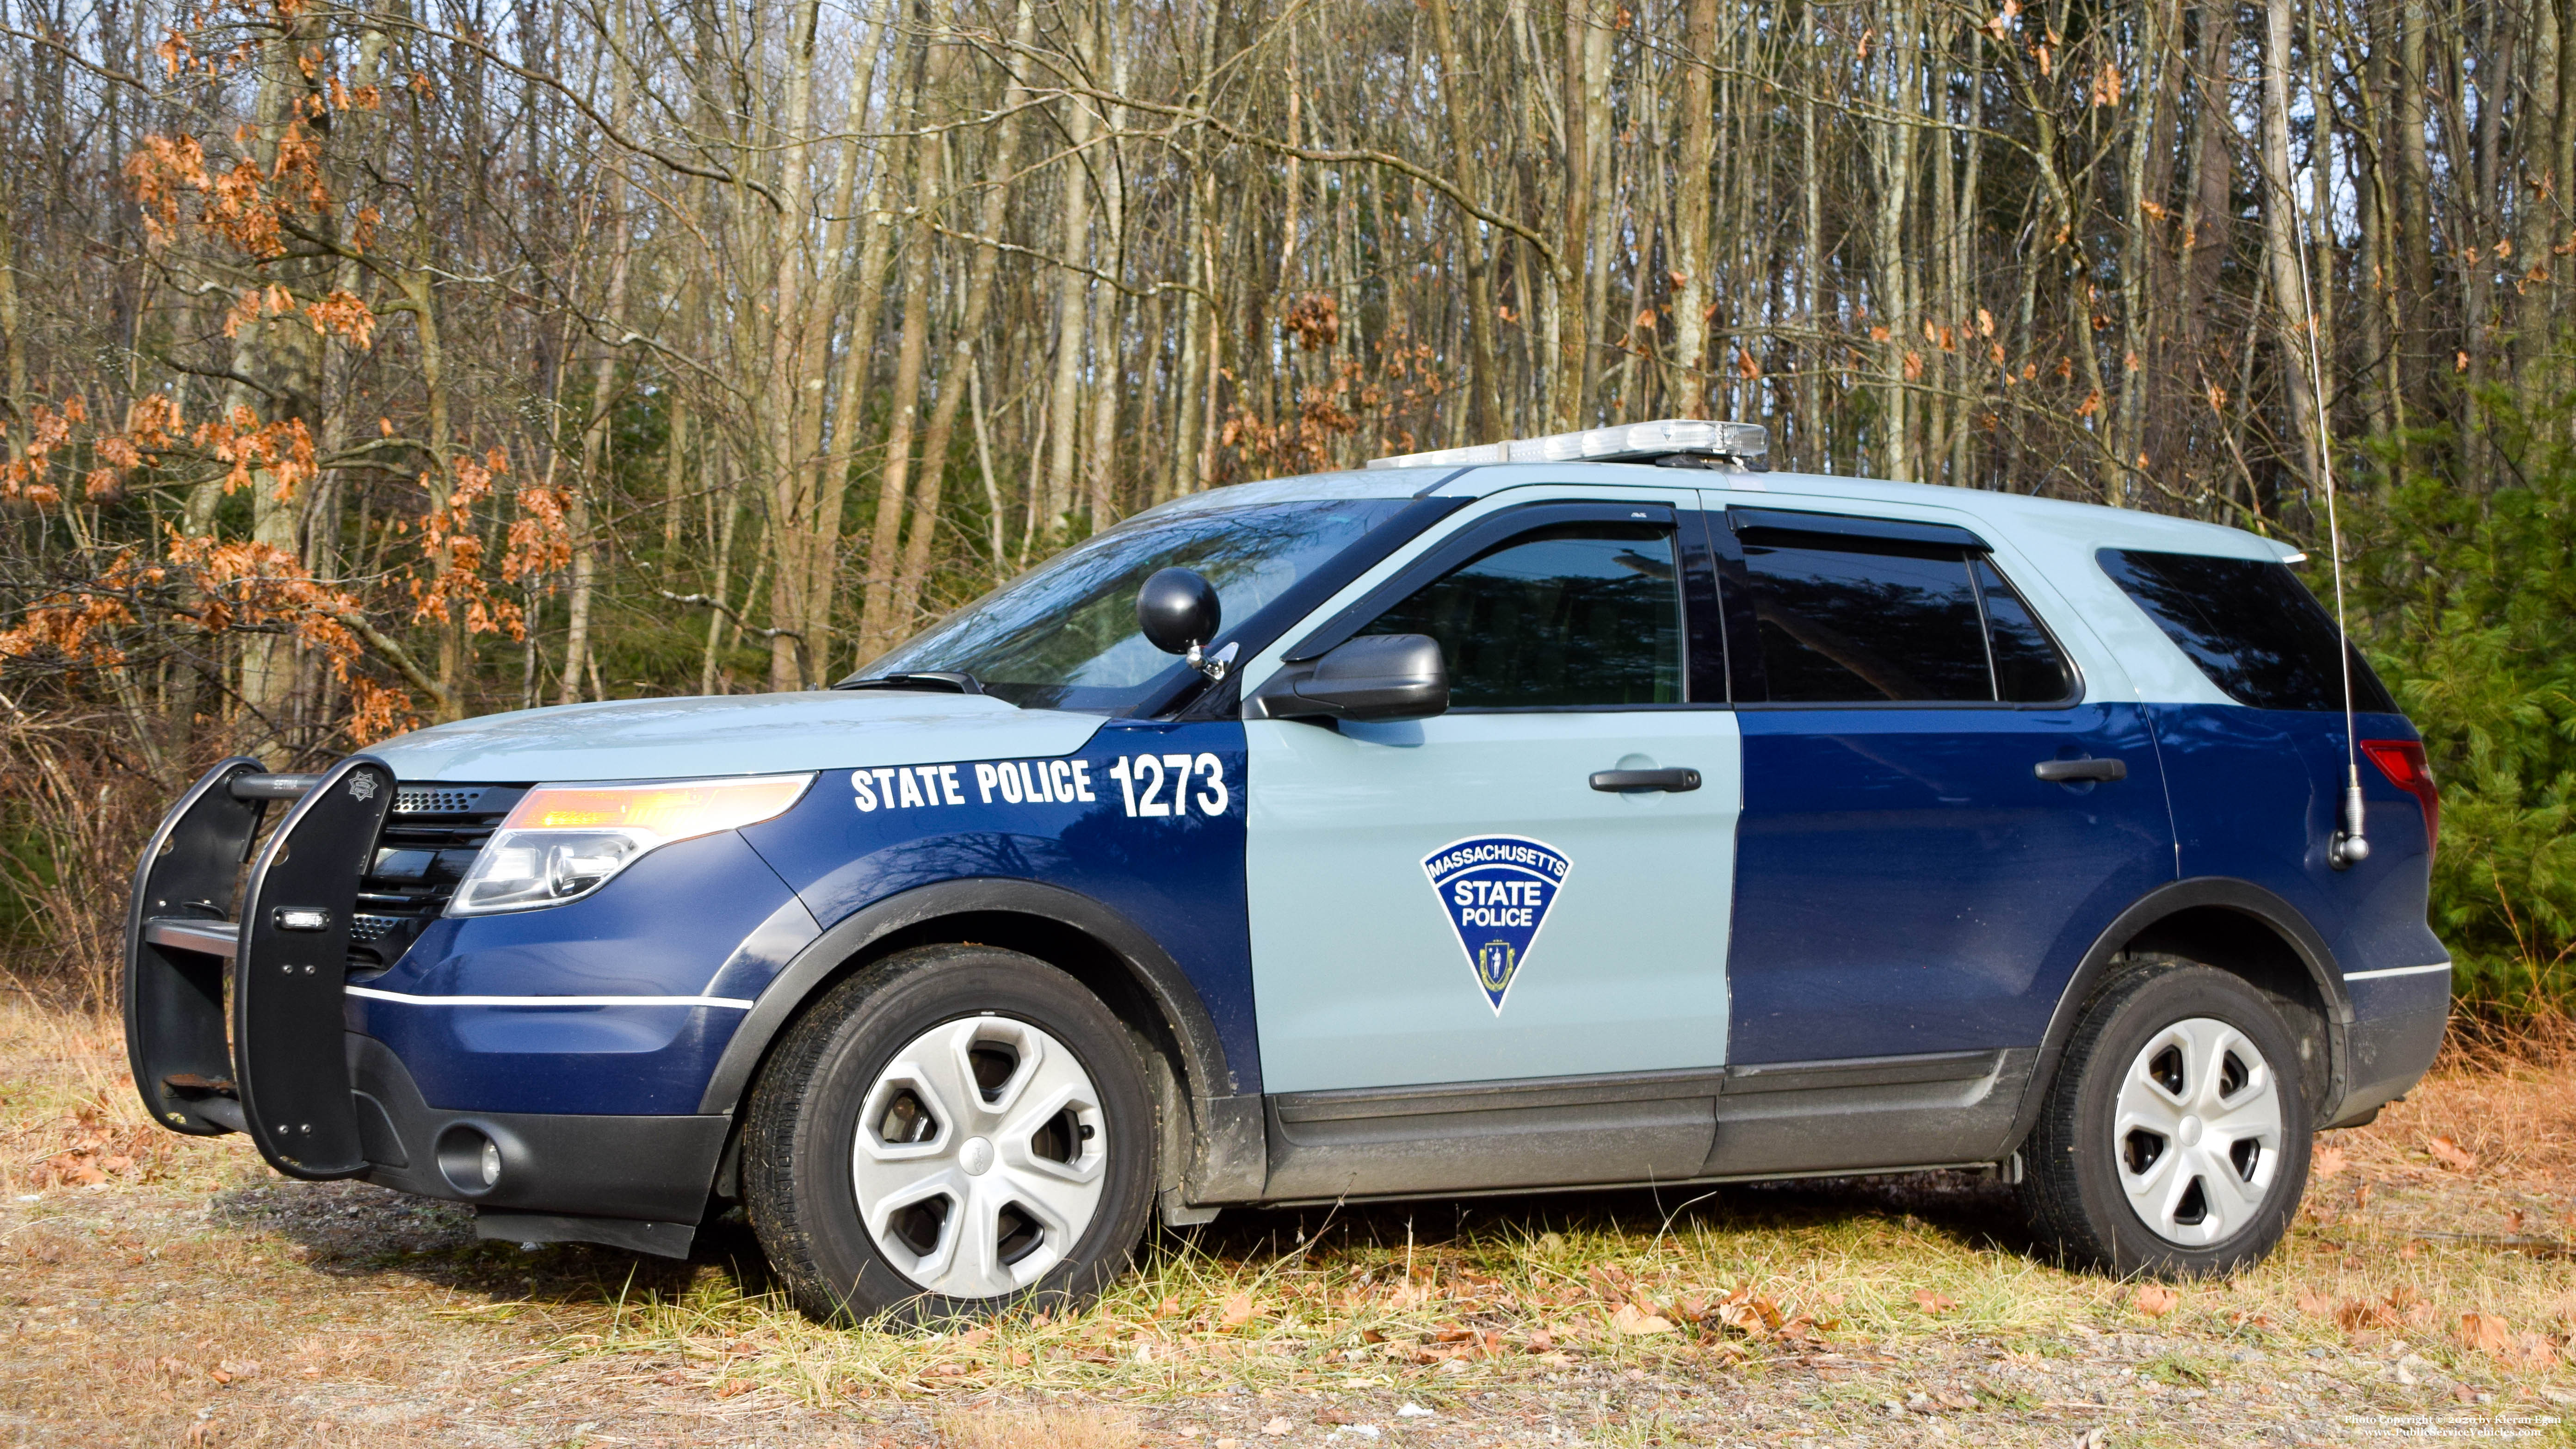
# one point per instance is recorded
(1743, 442)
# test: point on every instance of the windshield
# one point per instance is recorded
(1063, 635)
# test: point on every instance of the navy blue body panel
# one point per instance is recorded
(665, 928)
(1905, 884)
(2258, 795)
(1176, 877)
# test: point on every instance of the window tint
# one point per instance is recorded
(2028, 668)
(1843, 624)
(1871, 621)
(1577, 614)
(2251, 626)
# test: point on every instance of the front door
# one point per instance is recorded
(1937, 821)
(1454, 899)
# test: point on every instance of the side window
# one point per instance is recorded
(2028, 668)
(1848, 621)
(2250, 625)
(1575, 614)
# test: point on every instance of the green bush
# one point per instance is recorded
(2466, 603)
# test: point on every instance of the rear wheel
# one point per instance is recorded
(2174, 1141)
(955, 1130)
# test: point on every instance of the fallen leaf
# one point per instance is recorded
(2155, 1300)
(1933, 1303)
(2329, 1161)
(2450, 1154)
(1277, 1426)
(1238, 1311)
(1630, 1321)
(2315, 1304)
(730, 1387)
(2486, 1333)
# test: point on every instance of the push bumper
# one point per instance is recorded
(235, 1022)
(279, 1077)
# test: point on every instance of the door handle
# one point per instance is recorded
(1674, 780)
(2068, 772)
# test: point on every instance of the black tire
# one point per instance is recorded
(800, 1134)
(2074, 1189)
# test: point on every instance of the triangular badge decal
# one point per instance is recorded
(1496, 890)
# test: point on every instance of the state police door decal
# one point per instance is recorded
(1496, 890)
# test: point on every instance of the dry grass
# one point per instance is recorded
(2430, 1271)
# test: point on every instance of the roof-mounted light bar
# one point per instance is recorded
(1628, 443)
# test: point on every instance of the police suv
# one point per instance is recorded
(1528, 816)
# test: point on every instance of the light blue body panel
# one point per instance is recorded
(741, 734)
(1362, 979)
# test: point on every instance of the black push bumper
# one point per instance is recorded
(284, 1079)
(236, 1022)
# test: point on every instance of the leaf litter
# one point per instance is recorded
(194, 1294)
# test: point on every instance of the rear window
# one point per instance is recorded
(2251, 626)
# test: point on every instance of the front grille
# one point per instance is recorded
(429, 841)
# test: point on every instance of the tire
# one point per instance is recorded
(2129, 1169)
(952, 1132)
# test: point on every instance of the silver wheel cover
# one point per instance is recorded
(1000, 1181)
(2196, 1134)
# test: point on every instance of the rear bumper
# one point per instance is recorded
(632, 1170)
(2397, 1021)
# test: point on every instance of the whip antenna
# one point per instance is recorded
(2350, 844)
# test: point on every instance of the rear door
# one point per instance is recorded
(1452, 900)
(1937, 818)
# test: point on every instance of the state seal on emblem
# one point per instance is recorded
(1496, 891)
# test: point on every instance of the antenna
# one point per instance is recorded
(2350, 845)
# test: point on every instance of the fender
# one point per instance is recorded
(1232, 1149)
(2227, 893)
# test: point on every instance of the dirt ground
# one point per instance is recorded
(161, 1290)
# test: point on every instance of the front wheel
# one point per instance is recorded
(953, 1131)
(2174, 1140)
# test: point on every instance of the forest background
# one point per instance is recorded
(367, 366)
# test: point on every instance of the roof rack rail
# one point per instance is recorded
(1677, 441)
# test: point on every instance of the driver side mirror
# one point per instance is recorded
(1372, 677)
(1178, 613)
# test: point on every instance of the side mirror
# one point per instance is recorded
(1178, 613)
(1372, 677)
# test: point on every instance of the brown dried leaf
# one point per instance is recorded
(1933, 1303)
(1238, 1311)
(2486, 1333)
(2450, 1154)
(1635, 1324)
(2328, 1161)
(2155, 1300)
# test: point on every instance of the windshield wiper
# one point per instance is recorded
(931, 681)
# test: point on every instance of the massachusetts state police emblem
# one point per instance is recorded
(1496, 889)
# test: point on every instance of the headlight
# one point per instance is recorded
(565, 841)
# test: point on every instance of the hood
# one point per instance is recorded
(742, 734)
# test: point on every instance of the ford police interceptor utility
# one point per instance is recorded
(1524, 817)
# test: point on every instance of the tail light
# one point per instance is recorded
(2402, 761)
